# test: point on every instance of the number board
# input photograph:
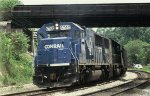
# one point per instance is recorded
(61, 27)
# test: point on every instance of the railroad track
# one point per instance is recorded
(45, 92)
(142, 80)
(36, 92)
(70, 89)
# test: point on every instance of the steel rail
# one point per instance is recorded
(131, 88)
(146, 82)
(141, 80)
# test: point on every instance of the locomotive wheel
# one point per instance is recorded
(115, 72)
(82, 77)
(107, 74)
(103, 75)
(48, 88)
(123, 70)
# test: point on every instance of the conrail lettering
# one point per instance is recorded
(54, 46)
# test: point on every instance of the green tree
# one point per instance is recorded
(147, 55)
(136, 51)
(6, 6)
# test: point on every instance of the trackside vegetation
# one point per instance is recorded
(15, 61)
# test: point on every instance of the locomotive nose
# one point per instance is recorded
(55, 51)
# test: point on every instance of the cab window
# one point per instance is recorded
(58, 34)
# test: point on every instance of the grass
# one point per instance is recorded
(145, 68)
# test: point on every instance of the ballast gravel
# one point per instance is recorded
(18, 88)
(128, 77)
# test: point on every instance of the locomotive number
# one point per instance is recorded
(65, 27)
(50, 28)
(62, 27)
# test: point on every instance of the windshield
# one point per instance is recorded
(57, 34)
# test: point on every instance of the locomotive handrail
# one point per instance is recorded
(72, 53)
(75, 52)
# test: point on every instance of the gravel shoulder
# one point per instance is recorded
(14, 89)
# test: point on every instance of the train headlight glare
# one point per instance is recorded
(56, 24)
(57, 28)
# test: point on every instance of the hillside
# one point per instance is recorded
(15, 61)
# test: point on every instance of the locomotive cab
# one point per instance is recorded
(56, 59)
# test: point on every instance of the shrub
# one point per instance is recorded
(16, 63)
(19, 42)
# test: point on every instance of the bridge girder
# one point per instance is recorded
(89, 15)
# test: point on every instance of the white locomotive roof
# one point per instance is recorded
(78, 26)
(46, 2)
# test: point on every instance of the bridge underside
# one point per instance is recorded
(89, 15)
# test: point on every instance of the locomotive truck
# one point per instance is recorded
(70, 54)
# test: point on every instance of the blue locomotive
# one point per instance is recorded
(68, 53)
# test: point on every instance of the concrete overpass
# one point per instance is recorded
(89, 15)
